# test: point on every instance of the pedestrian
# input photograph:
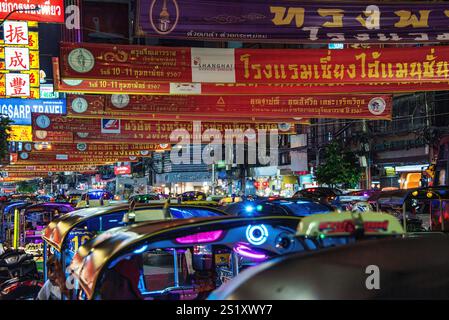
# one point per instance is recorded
(54, 288)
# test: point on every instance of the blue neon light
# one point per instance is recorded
(249, 209)
(141, 250)
(257, 235)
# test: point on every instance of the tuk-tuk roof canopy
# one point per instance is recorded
(410, 268)
(8, 206)
(398, 197)
(344, 224)
(38, 207)
(58, 229)
(91, 258)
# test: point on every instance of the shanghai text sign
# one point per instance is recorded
(264, 66)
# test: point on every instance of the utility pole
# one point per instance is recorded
(213, 179)
(366, 149)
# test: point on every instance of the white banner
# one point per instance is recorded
(213, 65)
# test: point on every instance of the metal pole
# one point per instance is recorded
(367, 169)
(16, 228)
(176, 271)
(213, 179)
(404, 218)
(45, 261)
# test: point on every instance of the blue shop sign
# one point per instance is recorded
(19, 110)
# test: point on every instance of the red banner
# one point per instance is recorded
(419, 64)
(213, 65)
(103, 61)
(58, 123)
(25, 157)
(26, 174)
(52, 136)
(127, 149)
(50, 10)
(273, 107)
(138, 87)
(50, 168)
(138, 131)
(122, 170)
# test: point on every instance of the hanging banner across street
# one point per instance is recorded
(294, 21)
(209, 65)
(138, 87)
(269, 107)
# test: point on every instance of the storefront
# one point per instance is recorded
(404, 177)
(179, 182)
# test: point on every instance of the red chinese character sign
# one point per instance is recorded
(15, 32)
(17, 85)
(17, 59)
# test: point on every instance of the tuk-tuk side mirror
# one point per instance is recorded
(166, 210)
(130, 216)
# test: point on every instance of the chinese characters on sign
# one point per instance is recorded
(19, 60)
(17, 85)
(15, 32)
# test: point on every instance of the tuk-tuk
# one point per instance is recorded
(178, 259)
(419, 209)
(10, 213)
(29, 197)
(332, 229)
(391, 268)
(73, 197)
(36, 217)
(95, 198)
(230, 199)
(33, 220)
(354, 201)
(319, 232)
(64, 235)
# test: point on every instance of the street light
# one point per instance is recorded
(37, 8)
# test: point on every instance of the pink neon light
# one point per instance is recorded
(201, 237)
(249, 253)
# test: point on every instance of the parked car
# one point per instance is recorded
(95, 198)
(285, 207)
(327, 195)
(193, 195)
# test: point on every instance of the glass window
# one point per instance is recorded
(185, 213)
(304, 208)
(159, 270)
(105, 222)
(149, 215)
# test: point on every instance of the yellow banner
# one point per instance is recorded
(34, 78)
(34, 92)
(20, 133)
(33, 40)
(34, 59)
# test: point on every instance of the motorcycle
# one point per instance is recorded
(19, 278)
